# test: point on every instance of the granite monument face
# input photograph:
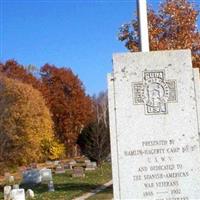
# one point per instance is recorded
(154, 123)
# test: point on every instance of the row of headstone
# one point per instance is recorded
(35, 176)
(17, 193)
(61, 166)
(79, 171)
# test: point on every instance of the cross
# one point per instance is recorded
(154, 92)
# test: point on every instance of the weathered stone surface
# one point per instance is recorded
(78, 172)
(46, 175)
(51, 186)
(32, 176)
(154, 123)
(30, 194)
(15, 186)
(197, 91)
(60, 169)
(7, 192)
(17, 194)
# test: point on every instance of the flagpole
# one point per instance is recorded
(143, 25)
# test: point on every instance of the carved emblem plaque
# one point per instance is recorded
(154, 92)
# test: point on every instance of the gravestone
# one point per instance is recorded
(91, 166)
(60, 169)
(78, 172)
(51, 186)
(32, 176)
(30, 194)
(94, 164)
(17, 194)
(66, 165)
(46, 175)
(154, 124)
(56, 162)
(7, 192)
(15, 186)
(87, 161)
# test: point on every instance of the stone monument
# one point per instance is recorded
(154, 108)
(154, 121)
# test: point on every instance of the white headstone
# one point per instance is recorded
(46, 175)
(30, 194)
(94, 164)
(51, 186)
(7, 192)
(154, 123)
(17, 194)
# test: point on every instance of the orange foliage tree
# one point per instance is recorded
(25, 123)
(12, 69)
(173, 27)
(70, 106)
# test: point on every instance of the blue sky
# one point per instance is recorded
(80, 34)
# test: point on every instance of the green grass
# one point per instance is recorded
(66, 187)
(106, 194)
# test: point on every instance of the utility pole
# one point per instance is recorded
(143, 25)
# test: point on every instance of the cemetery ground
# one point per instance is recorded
(68, 187)
(106, 194)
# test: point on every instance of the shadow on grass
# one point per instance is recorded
(40, 188)
(106, 194)
(108, 189)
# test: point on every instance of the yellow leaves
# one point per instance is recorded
(52, 149)
(24, 120)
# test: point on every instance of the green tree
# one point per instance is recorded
(95, 139)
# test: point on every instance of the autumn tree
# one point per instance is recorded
(14, 70)
(174, 26)
(94, 139)
(25, 123)
(68, 103)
